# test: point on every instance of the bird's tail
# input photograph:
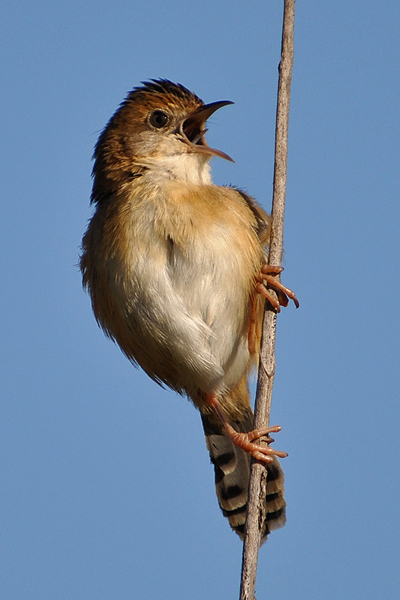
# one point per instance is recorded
(232, 473)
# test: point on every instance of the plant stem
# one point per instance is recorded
(266, 372)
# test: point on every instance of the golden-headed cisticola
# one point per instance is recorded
(176, 270)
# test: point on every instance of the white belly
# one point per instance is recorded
(185, 292)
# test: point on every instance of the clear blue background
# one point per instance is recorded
(106, 488)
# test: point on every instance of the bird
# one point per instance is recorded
(176, 268)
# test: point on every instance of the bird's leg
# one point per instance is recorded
(251, 336)
(267, 275)
(245, 441)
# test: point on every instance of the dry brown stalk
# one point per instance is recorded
(258, 480)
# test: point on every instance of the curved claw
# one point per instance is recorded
(267, 275)
(245, 441)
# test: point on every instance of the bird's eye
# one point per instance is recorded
(158, 119)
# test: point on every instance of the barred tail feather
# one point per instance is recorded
(232, 473)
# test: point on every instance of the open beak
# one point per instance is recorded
(192, 130)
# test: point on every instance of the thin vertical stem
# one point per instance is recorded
(266, 373)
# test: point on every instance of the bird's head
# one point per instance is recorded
(159, 127)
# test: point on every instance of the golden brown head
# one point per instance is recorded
(157, 127)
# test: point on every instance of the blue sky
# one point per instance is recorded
(106, 488)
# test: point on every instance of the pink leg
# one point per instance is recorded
(251, 337)
(245, 440)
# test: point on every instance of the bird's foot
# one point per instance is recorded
(245, 441)
(284, 294)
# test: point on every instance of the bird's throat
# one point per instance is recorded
(188, 167)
